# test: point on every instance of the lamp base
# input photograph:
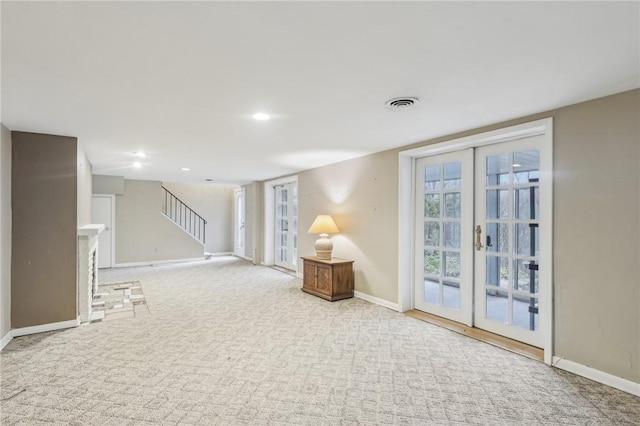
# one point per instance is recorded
(324, 247)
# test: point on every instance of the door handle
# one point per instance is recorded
(479, 245)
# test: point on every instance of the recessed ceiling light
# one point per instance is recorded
(140, 154)
(137, 164)
(260, 116)
(185, 169)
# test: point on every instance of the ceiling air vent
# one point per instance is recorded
(401, 103)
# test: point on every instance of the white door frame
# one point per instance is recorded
(236, 227)
(113, 224)
(268, 257)
(406, 213)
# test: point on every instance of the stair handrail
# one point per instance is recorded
(190, 222)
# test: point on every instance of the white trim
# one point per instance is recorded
(268, 255)
(299, 275)
(597, 375)
(159, 262)
(237, 250)
(243, 257)
(16, 332)
(376, 300)
(221, 253)
(6, 339)
(506, 134)
(406, 248)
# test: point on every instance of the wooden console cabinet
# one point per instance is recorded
(329, 279)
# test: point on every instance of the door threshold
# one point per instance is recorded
(285, 270)
(482, 335)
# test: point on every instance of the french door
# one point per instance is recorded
(479, 223)
(286, 225)
(239, 219)
(444, 208)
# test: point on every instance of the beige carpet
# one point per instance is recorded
(231, 343)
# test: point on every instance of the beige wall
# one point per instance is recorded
(214, 202)
(108, 184)
(84, 188)
(361, 196)
(44, 229)
(143, 233)
(596, 226)
(596, 234)
(5, 231)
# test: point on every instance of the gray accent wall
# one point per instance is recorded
(596, 227)
(214, 202)
(5, 231)
(143, 233)
(44, 229)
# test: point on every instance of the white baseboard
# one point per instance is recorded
(6, 339)
(224, 253)
(597, 375)
(16, 332)
(299, 275)
(241, 257)
(376, 300)
(157, 262)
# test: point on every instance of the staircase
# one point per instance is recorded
(183, 216)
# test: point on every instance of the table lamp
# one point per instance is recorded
(323, 225)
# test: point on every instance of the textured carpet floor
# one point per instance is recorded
(232, 343)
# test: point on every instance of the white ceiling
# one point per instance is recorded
(181, 80)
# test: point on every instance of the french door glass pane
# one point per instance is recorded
(497, 240)
(451, 294)
(526, 166)
(498, 168)
(526, 276)
(525, 312)
(497, 305)
(432, 177)
(432, 262)
(522, 203)
(452, 235)
(431, 291)
(451, 264)
(526, 239)
(452, 175)
(498, 271)
(432, 205)
(497, 204)
(452, 207)
(432, 234)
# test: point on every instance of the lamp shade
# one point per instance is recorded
(323, 224)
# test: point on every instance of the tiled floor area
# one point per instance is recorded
(117, 301)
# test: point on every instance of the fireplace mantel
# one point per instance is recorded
(90, 230)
